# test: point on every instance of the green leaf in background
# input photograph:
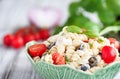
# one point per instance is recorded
(73, 8)
(57, 30)
(106, 16)
(92, 29)
(114, 5)
(109, 29)
(91, 26)
(92, 5)
(117, 23)
(78, 20)
(108, 13)
(89, 5)
(74, 29)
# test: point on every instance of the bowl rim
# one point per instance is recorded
(65, 66)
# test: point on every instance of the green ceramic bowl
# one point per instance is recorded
(50, 71)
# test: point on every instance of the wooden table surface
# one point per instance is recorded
(13, 63)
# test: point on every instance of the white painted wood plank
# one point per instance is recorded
(22, 68)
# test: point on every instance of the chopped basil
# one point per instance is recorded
(74, 29)
(66, 59)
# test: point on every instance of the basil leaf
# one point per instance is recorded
(106, 16)
(89, 5)
(91, 34)
(92, 29)
(109, 29)
(114, 5)
(91, 26)
(74, 29)
(92, 5)
(78, 20)
(66, 59)
(73, 8)
(100, 40)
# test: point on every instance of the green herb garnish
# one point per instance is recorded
(91, 34)
(74, 29)
(66, 59)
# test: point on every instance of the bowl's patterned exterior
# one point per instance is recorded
(50, 71)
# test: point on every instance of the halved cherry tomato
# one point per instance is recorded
(17, 42)
(115, 42)
(37, 50)
(8, 39)
(108, 54)
(55, 55)
(58, 59)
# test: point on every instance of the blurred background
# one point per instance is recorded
(14, 12)
(39, 19)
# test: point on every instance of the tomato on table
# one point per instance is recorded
(37, 50)
(44, 33)
(24, 35)
(17, 42)
(28, 37)
(33, 29)
(21, 31)
(108, 54)
(8, 39)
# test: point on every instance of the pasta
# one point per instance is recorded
(80, 50)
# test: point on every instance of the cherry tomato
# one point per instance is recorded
(33, 29)
(44, 33)
(108, 54)
(28, 37)
(58, 59)
(55, 55)
(115, 42)
(25, 30)
(8, 39)
(21, 32)
(37, 36)
(17, 42)
(37, 50)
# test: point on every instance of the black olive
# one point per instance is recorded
(99, 53)
(85, 67)
(51, 45)
(93, 61)
(81, 47)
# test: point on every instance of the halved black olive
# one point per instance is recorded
(93, 61)
(81, 47)
(51, 45)
(85, 67)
